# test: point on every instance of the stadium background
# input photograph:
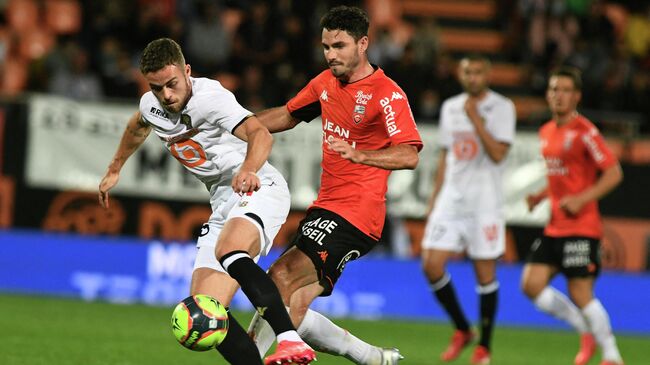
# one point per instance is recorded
(69, 80)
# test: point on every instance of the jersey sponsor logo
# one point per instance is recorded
(323, 95)
(593, 147)
(389, 117)
(396, 96)
(334, 128)
(555, 167)
(576, 253)
(157, 112)
(318, 229)
(189, 153)
(350, 256)
(465, 146)
(362, 98)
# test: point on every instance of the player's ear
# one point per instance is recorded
(188, 69)
(363, 44)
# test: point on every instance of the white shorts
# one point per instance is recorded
(482, 236)
(270, 203)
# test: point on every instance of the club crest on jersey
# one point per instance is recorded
(568, 139)
(359, 111)
(323, 95)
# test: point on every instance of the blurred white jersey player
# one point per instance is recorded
(226, 147)
(475, 132)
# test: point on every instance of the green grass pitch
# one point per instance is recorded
(54, 331)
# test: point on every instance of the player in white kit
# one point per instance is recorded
(226, 147)
(475, 131)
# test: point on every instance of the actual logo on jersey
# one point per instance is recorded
(362, 98)
(350, 256)
(323, 95)
(389, 117)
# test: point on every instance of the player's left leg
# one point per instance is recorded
(488, 289)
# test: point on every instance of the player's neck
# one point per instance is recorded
(364, 70)
(564, 119)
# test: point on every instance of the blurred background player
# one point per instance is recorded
(475, 133)
(368, 130)
(581, 170)
(225, 147)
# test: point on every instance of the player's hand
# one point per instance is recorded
(532, 201)
(471, 108)
(245, 182)
(572, 204)
(108, 182)
(344, 149)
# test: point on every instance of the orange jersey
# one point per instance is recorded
(575, 153)
(370, 114)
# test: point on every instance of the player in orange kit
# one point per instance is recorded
(581, 169)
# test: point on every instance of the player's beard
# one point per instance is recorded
(342, 71)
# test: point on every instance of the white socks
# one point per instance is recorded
(553, 302)
(322, 335)
(592, 318)
(598, 320)
(325, 336)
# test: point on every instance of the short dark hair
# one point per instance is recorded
(347, 18)
(160, 53)
(571, 72)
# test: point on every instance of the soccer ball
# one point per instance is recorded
(200, 322)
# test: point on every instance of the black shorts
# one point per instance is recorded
(574, 256)
(331, 242)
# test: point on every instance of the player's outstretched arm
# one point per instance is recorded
(260, 142)
(277, 119)
(134, 135)
(397, 157)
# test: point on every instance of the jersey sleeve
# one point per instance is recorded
(220, 107)
(444, 135)
(305, 105)
(398, 120)
(504, 119)
(597, 149)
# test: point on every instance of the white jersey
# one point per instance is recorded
(472, 181)
(200, 136)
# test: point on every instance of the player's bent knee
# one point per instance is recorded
(532, 288)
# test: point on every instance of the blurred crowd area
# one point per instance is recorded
(265, 51)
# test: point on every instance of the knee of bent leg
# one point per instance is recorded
(433, 269)
(532, 286)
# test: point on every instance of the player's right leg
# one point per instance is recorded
(238, 244)
(441, 240)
